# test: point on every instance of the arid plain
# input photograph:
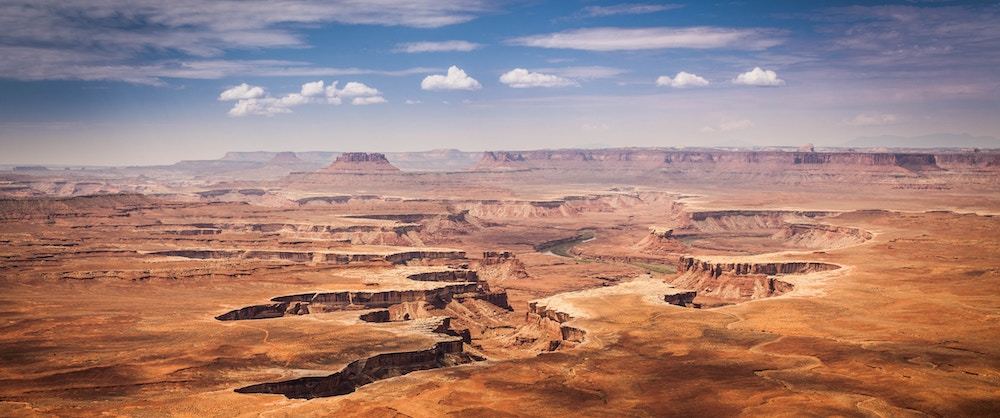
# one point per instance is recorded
(616, 282)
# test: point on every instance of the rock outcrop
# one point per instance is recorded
(729, 282)
(361, 163)
(501, 265)
(660, 241)
(552, 322)
(319, 257)
(467, 286)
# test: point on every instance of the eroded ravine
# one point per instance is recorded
(383, 306)
(699, 283)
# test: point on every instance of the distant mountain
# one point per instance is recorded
(941, 140)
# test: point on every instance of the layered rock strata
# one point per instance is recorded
(361, 163)
(729, 282)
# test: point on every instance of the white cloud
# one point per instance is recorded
(242, 91)
(292, 99)
(456, 79)
(727, 126)
(521, 78)
(361, 101)
(413, 102)
(681, 80)
(260, 107)
(253, 100)
(440, 46)
(354, 89)
(872, 119)
(627, 9)
(759, 77)
(630, 39)
(313, 89)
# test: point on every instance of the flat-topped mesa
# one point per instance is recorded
(651, 158)
(729, 282)
(285, 158)
(361, 163)
(497, 257)
(572, 158)
(716, 269)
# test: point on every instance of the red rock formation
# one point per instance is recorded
(660, 241)
(364, 371)
(499, 266)
(737, 282)
(360, 163)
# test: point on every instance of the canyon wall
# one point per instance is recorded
(730, 282)
(652, 158)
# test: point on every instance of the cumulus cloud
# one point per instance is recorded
(313, 89)
(369, 100)
(440, 46)
(627, 9)
(266, 106)
(355, 89)
(520, 78)
(759, 77)
(413, 102)
(631, 39)
(681, 80)
(242, 91)
(872, 119)
(456, 79)
(253, 100)
(728, 126)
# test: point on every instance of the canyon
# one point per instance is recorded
(597, 282)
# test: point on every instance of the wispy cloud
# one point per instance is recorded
(106, 40)
(584, 72)
(627, 9)
(439, 46)
(904, 36)
(729, 126)
(630, 39)
(70, 65)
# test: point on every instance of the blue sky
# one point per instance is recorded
(144, 82)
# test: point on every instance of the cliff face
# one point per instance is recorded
(360, 163)
(362, 372)
(639, 159)
(721, 283)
